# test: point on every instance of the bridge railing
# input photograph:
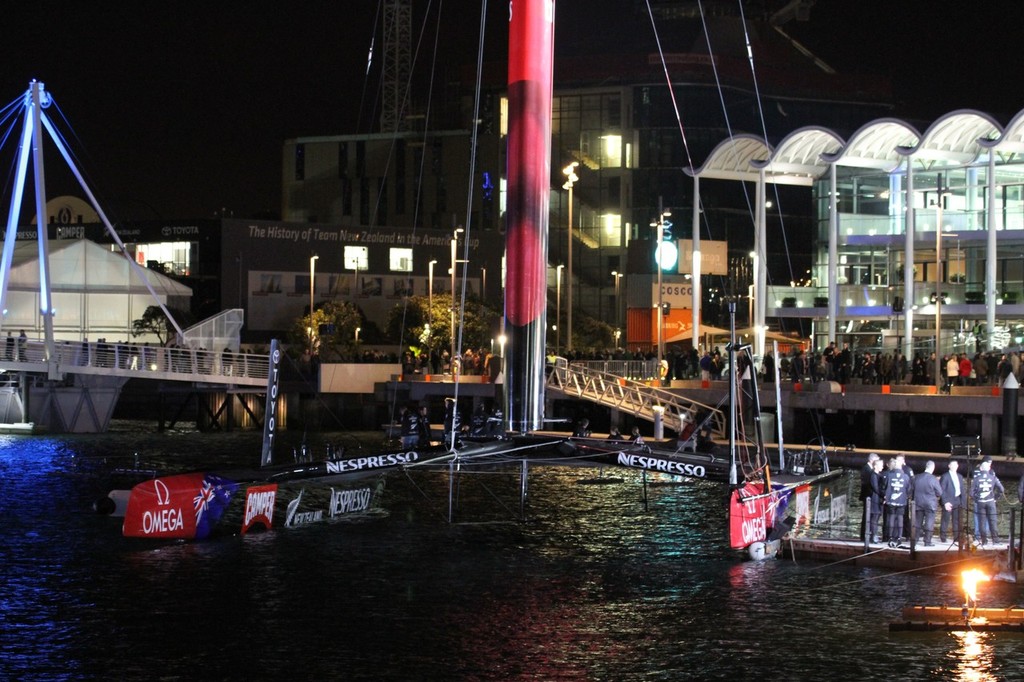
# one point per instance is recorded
(96, 357)
(677, 412)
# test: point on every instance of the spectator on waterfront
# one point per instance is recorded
(896, 487)
(768, 365)
(867, 473)
(981, 369)
(952, 372)
(966, 368)
(953, 499)
(926, 494)
(984, 489)
(9, 351)
(22, 343)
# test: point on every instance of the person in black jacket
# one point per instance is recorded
(953, 500)
(896, 487)
(927, 492)
(867, 474)
(874, 501)
(984, 490)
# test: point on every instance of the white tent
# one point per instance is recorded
(96, 292)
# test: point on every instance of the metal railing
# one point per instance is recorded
(611, 390)
(138, 360)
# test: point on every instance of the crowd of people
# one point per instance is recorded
(888, 488)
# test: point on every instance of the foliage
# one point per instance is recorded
(335, 345)
(591, 334)
(155, 322)
(410, 324)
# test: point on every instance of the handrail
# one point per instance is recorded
(612, 390)
(138, 360)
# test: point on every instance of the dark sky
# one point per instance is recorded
(181, 109)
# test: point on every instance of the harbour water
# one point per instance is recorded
(592, 586)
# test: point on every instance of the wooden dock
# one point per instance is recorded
(939, 558)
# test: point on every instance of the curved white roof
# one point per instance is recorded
(731, 159)
(798, 158)
(954, 138)
(1012, 139)
(875, 145)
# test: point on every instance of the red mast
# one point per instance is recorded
(531, 59)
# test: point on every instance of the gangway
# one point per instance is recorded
(639, 399)
(144, 361)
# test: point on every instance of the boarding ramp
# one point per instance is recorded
(136, 361)
(589, 381)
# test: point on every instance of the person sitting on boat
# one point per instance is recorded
(984, 489)
(410, 428)
(582, 429)
(953, 500)
(615, 434)
(424, 424)
(926, 493)
(636, 438)
(896, 486)
(478, 422)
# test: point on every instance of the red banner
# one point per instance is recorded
(259, 506)
(749, 519)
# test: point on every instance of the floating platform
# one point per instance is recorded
(939, 558)
(19, 428)
(953, 618)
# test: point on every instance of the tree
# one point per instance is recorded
(333, 326)
(410, 324)
(155, 322)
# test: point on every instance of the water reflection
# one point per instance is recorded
(973, 657)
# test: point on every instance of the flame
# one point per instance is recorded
(970, 579)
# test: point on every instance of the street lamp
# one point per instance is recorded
(312, 290)
(430, 293)
(455, 241)
(358, 329)
(571, 177)
(665, 255)
(558, 307)
(617, 276)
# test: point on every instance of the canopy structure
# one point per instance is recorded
(95, 291)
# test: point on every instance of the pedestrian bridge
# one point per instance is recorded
(594, 382)
(134, 361)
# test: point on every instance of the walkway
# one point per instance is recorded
(583, 380)
(136, 361)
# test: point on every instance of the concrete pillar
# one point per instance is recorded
(882, 429)
(989, 433)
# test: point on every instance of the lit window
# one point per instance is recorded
(357, 258)
(401, 260)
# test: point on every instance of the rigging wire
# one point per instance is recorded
(469, 208)
(764, 133)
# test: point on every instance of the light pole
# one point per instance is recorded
(617, 276)
(358, 329)
(430, 293)
(665, 255)
(558, 308)
(455, 241)
(312, 290)
(571, 177)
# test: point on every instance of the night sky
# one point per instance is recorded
(181, 109)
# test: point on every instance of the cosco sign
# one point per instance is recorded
(677, 289)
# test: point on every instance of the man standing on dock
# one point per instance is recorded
(953, 500)
(867, 472)
(896, 487)
(927, 492)
(984, 488)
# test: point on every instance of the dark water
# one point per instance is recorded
(591, 587)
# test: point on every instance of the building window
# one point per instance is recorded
(300, 162)
(357, 258)
(401, 260)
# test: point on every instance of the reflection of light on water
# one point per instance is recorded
(973, 657)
